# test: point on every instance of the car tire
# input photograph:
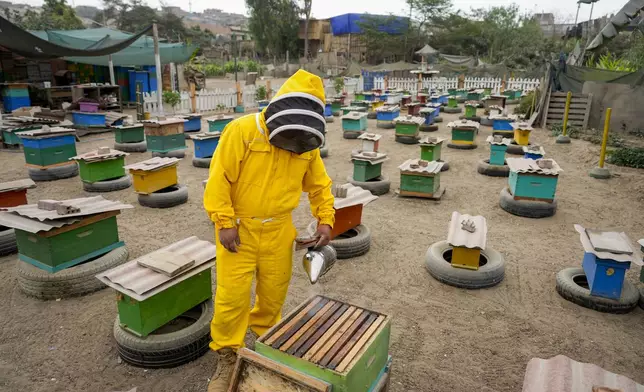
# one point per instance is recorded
(203, 163)
(407, 139)
(428, 128)
(526, 208)
(385, 124)
(515, 149)
(7, 241)
(116, 184)
(438, 119)
(351, 134)
(378, 186)
(453, 110)
(54, 173)
(324, 152)
(475, 118)
(485, 168)
(462, 146)
(485, 120)
(131, 147)
(165, 198)
(355, 242)
(170, 154)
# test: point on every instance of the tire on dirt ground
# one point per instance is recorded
(453, 110)
(406, 139)
(428, 128)
(337, 113)
(324, 152)
(445, 166)
(526, 208)
(70, 282)
(165, 198)
(378, 186)
(438, 264)
(351, 134)
(180, 341)
(7, 241)
(329, 119)
(385, 125)
(485, 120)
(572, 285)
(201, 162)
(372, 115)
(641, 302)
(484, 167)
(54, 173)
(355, 242)
(116, 184)
(131, 147)
(170, 154)
(474, 118)
(438, 119)
(462, 146)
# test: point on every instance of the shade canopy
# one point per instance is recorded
(426, 51)
(620, 21)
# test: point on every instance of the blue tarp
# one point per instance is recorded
(350, 23)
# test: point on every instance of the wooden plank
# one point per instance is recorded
(547, 106)
(301, 331)
(315, 327)
(317, 332)
(327, 335)
(292, 322)
(590, 103)
(565, 94)
(344, 365)
(344, 338)
(562, 105)
(572, 101)
(572, 111)
(336, 336)
(352, 341)
(579, 117)
(285, 319)
(302, 319)
(84, 222)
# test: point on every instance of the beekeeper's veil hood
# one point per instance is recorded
(295, 116)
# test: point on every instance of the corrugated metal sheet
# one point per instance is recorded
(355, 196)
(523, 165)
(430, 140)
(127, 126)
(167, 121)
(205, 135)
(497, 107)
(522, 126)
(387, 108)
(374, 137)
(354, 116)
(141, 282)
(189, 116)
(534, 149)
(433, 105)
(46, 131)
(508, 117)
(33, 226)
(112, 117)
(87, 205)
(17, 185)
(220, 117)
(471, 103)
(30, 120)
(414, 166)
(94, 156)
(153, 164)
(464, 124)
(460, 237)
(498, 141)
(562, 374)
(635, 257)
(373, 157)
(409, 119)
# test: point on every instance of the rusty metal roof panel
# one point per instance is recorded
(539, 166)
(205, 135)
(431, 141)
(17, 185)
(374, 137)
(467, 231)
(141, 282)
(46, 132)
(151, 164)
(464, 124)
(635, 256)
(409, 119)
(420, 166)
(167, 121)
(355, 195)
(220, 117)
(562, 374)
(15, 221)
(87, 206)
(99, 155)
(498, 141)
(354, 116)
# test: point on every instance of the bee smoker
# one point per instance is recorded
(317, 262)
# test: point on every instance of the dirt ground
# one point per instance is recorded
(443, 338)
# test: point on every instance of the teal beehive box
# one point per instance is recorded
(354, 121)
(533, 179)
(498, 147)
(218, 123)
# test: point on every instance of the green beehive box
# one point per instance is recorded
(364, 171)
(100, 165)
(166, 143)
(420, 178)
(344, 345)
(417, 183)
(50, 155)
(408, 125)
(430, 148)
(470, 110)
(452, 101)
(129, 133)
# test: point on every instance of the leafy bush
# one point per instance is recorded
(260, 93)
(611, 62)
(250, 65)
(630, 157)
(172, 98)
(572, 132)
(525, 105)
(338, 85)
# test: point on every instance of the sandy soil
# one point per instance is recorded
(443, 338)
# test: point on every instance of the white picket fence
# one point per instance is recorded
(443, 84)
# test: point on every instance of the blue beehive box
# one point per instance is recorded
(83, 119)
(498, 147)
(443, 99)
(369, 96)
(387, 113)
(533, 152)
(193, 122)
(217, 124)
(205, 143)
(502, 123)
(429, 114)
(607, 257)
(354, 121)
(533, 180)
(328, 110)
(262, 103)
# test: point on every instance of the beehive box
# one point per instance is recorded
(413, 108)
(193, 122)
(361, 103)
(349, 201)
(470, 109)
(336, 105)
(408, 125)
(164, 127)
(529, 181)
(494, 100)
(217, 124)
(369, 96)
(498, 147)
(452, 101)
(429, 114)
(522, 133)
(463, 131)
(205, 143)
(262, 103)
(328, 111)
(354, 121)
(15, 96)
(129, 133)
(420, 178)
(342, 344)
(367, 165)
(467, 234)
(430, 148)
(14, 193)
(533, 152)
(48, 146)
(166, 143)
(475, 95)
(359, 96)
(422, 97)
(502, 125)
(387, 113)
(83, 119)
(100, 165)
(153, 174)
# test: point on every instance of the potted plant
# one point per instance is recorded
(172, 98)
(260, 97)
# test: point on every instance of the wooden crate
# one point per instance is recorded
(406, 129)
(156, 129)
(578, 115)
(346, 218)
(149, 181)
(13, 198)
(344, 345)
(101, 170)
(49, 151)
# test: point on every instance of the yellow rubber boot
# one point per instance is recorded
(224, 372)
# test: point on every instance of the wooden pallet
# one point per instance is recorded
(578, 115)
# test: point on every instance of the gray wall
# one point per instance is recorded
(627, 102)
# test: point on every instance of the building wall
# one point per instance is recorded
(626, 101)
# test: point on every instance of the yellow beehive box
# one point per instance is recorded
(467, 235)
(522, 133)
(154, 174)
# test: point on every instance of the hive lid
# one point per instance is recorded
(534, 149)
(46, 132)
(431, 140)
(46, 209)
(498, 140)
(427, 110)
(374, 137)
(610, 245)
(409, 119)
(420, 166)
(477, 91)
(220, 117)
(140, 283)
(471, 103)
(354, 116)
(539, 166)
(112, 117)
(521, 126)
(464, 124)
(373, 157)
(467, 231)
(127, 126)
(388, 108)
(205, 135)
(155, 163)
(189, 116)
(413, 104)
(433, 105)
(495, 96)
(29, 225)
(167, 121)
(507, 117)
(17, 185)
(101, 154)
(351, 196)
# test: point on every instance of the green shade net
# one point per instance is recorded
(572, 78)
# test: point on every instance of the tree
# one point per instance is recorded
(306, 11)
(424, 12)
(55, 15)
(384, 37)
(274, 25)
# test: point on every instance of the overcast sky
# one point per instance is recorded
(564, 10)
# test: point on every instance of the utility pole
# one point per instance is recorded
(157, 62)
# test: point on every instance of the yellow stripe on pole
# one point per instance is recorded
(565, 119)
(602, 154)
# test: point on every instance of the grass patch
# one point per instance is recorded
(629, 157)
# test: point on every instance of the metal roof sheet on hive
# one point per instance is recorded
(467, 231)
(354, 116)
(522, 126)
(205, 135)
(534, 149)
(497, 107)
(220, 117)
(96, 155)
(430, 140)
(464, 124)
(634, 257)
(427, 110)
(388, 108)
(141, 282)
(189, 116)
(523, 165)
(9, 219)
(87, 206)
(413, 104)
(420, 166)
(355, 195)
(508, 117)
(562, 374)
(373, 157)
(17, 185)
(112, 117)
(498, 141)
(374, 137)
(155, 163)
(355, 109)
(433, 105)
(471, 103)
(494, 96)
(127, 126)
(409, 119)
(30, 120)
(46, 132)
(167, 121)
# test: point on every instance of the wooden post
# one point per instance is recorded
(420, 84)
(268, 90)
(503, 84)
(193, 97)
(239, 94)
(386, 82)
(461, 81)
(566, 112)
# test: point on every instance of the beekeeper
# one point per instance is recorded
(260, 168)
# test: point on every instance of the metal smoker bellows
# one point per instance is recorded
(317, 262)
